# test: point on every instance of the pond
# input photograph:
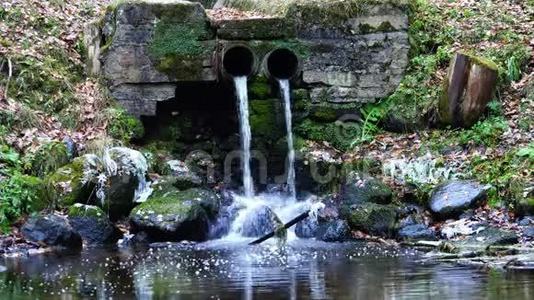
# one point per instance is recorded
(232, 270)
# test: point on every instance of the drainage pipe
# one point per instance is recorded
(281, 64)
(238, 60)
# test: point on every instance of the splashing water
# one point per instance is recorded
(241, 89)
(284, 89)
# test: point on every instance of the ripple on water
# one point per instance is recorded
(301, 269)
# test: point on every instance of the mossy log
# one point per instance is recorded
(468, 89)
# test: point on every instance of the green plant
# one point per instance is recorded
(527, 152)
(513, 69)
(48, 158)
(123, 126)
(372, 115)
(19, 194)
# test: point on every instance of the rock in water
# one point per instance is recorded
(417, 232)
(361, 188)
(307, 228)
(259, 222)
(52, 230)
(334, 231)
(174, 215)
(92, 224)
(451, 199)
(372, 218)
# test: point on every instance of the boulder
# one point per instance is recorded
(259, 222)
(118, 178)
(307, 228)
(51, 230)
(528, 232)
(372, 218)
(490, 236)
(417, 232)
(65, 186)
(183, 177)
(92, 224)
(174, 215)
(451, 199)
(362, 188)
(334, 231)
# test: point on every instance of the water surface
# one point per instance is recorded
(222, 270)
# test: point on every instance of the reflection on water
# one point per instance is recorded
(218, 270)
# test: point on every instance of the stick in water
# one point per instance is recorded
(299, 218)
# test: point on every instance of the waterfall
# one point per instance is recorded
(244, 125)
(285, 92)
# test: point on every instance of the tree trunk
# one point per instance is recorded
(468, 89)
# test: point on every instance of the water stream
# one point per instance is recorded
(244, 126)
(285, 92)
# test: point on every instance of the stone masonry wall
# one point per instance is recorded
(147, 47)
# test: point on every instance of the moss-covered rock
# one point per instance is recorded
(372, 218)
(65, 187)
(173, 215)
(92, 224)
(47, 158)
(362, 188)
(338, 134)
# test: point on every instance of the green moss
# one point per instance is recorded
(372, 218)
(482, 61)
(81, 210)
(172, 201)
(263, 119)
(338, 134)
(48, 158)
(300, 48)
(259, 88)
(65, 187)
(123, 126)
(324, 114)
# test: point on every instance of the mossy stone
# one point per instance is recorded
(362, 188)
(65, 187)
(48, 158)
(372, 218)
(81, 210)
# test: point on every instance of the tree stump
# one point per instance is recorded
(468, 89)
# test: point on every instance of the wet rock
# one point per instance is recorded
(184, 177)
(452, 199)
(174, 215)
(526, 221)
(528, 232)
(260, 221)
(307, 228)
(335, 231)
(221, 226)
(118, 178)
(372, 218)
(92, 224)
(51, 230)
(417, 232)
(362, 188)
(490, 236)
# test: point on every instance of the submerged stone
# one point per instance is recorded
(451, 199)
(51, 230)
(92, 224)
(176, 215)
